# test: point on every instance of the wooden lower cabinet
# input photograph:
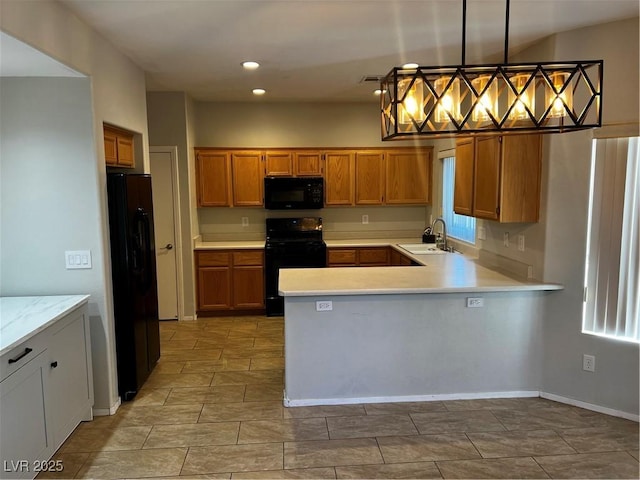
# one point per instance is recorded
(400, 260)
(358, 256)
(230, 281)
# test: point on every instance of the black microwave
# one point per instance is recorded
(290, 193)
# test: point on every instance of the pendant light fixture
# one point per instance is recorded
(545, 97)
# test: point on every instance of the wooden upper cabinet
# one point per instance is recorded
(118, 147)
(213, 179)
(307, 164)
(110, 147)
(463, 190)
(125, 151)
(498, 178)
(486, 186)
(278, 164)
(369, 177)
(338, 178)
(247, 178)
(521, 172)
(292, 163)
(408, 176)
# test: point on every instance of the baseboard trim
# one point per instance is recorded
(590, 406)
(105, 412)
(308, 402)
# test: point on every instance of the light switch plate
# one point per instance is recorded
(77, 259)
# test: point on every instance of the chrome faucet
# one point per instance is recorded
(444, 231)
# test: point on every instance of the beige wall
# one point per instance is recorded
(168, 126)
(560, 236)
(117, 96)
(257, 125)
(615, 382)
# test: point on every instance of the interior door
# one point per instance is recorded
(163, 164)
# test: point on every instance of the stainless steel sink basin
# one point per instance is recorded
(421, 248)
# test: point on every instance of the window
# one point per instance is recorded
(458, 226)
(612, 267)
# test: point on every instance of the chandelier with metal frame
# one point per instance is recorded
(445, 101)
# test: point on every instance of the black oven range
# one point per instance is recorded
(290, 243)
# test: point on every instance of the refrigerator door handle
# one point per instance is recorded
(142, 248)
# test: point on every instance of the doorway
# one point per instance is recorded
(166, 220)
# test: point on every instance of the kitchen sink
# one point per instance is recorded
(421, 248)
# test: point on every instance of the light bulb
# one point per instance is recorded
(488, 101)
(449, 106)
(557, 101)
(525, 99)
(411, 107)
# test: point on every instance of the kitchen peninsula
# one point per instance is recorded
(411, 333)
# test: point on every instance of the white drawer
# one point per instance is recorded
(20, 355)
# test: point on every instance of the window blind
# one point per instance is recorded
(612, 273)
(458, 226)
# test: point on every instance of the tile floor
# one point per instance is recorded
(213, 409)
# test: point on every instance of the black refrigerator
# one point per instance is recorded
(133, 265)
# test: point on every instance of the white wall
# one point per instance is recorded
(117, 93)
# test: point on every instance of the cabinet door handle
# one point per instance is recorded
(54, 364)
(26, 352)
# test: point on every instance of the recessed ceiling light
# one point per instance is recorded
(378, 92)
(410, 65)
(259, 91)
(250, 65)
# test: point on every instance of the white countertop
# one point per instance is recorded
(446, 273)
(351, 242)
(23, 317)
(228, 245)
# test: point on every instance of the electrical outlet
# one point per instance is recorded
(482, 233)
(530, 272)
(505, 239)
(475, 302)
(324, 306)
(245, 221)
(521, 243)
(365, 219)
(589, 363)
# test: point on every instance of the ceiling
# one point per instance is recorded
(319, 50)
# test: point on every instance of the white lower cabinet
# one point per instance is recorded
(24, 437)
(70, 385)
(46, 396)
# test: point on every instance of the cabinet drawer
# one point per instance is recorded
(341, 256)
(374, 256)
(21, 354)
(248, 257)
(212, 259)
